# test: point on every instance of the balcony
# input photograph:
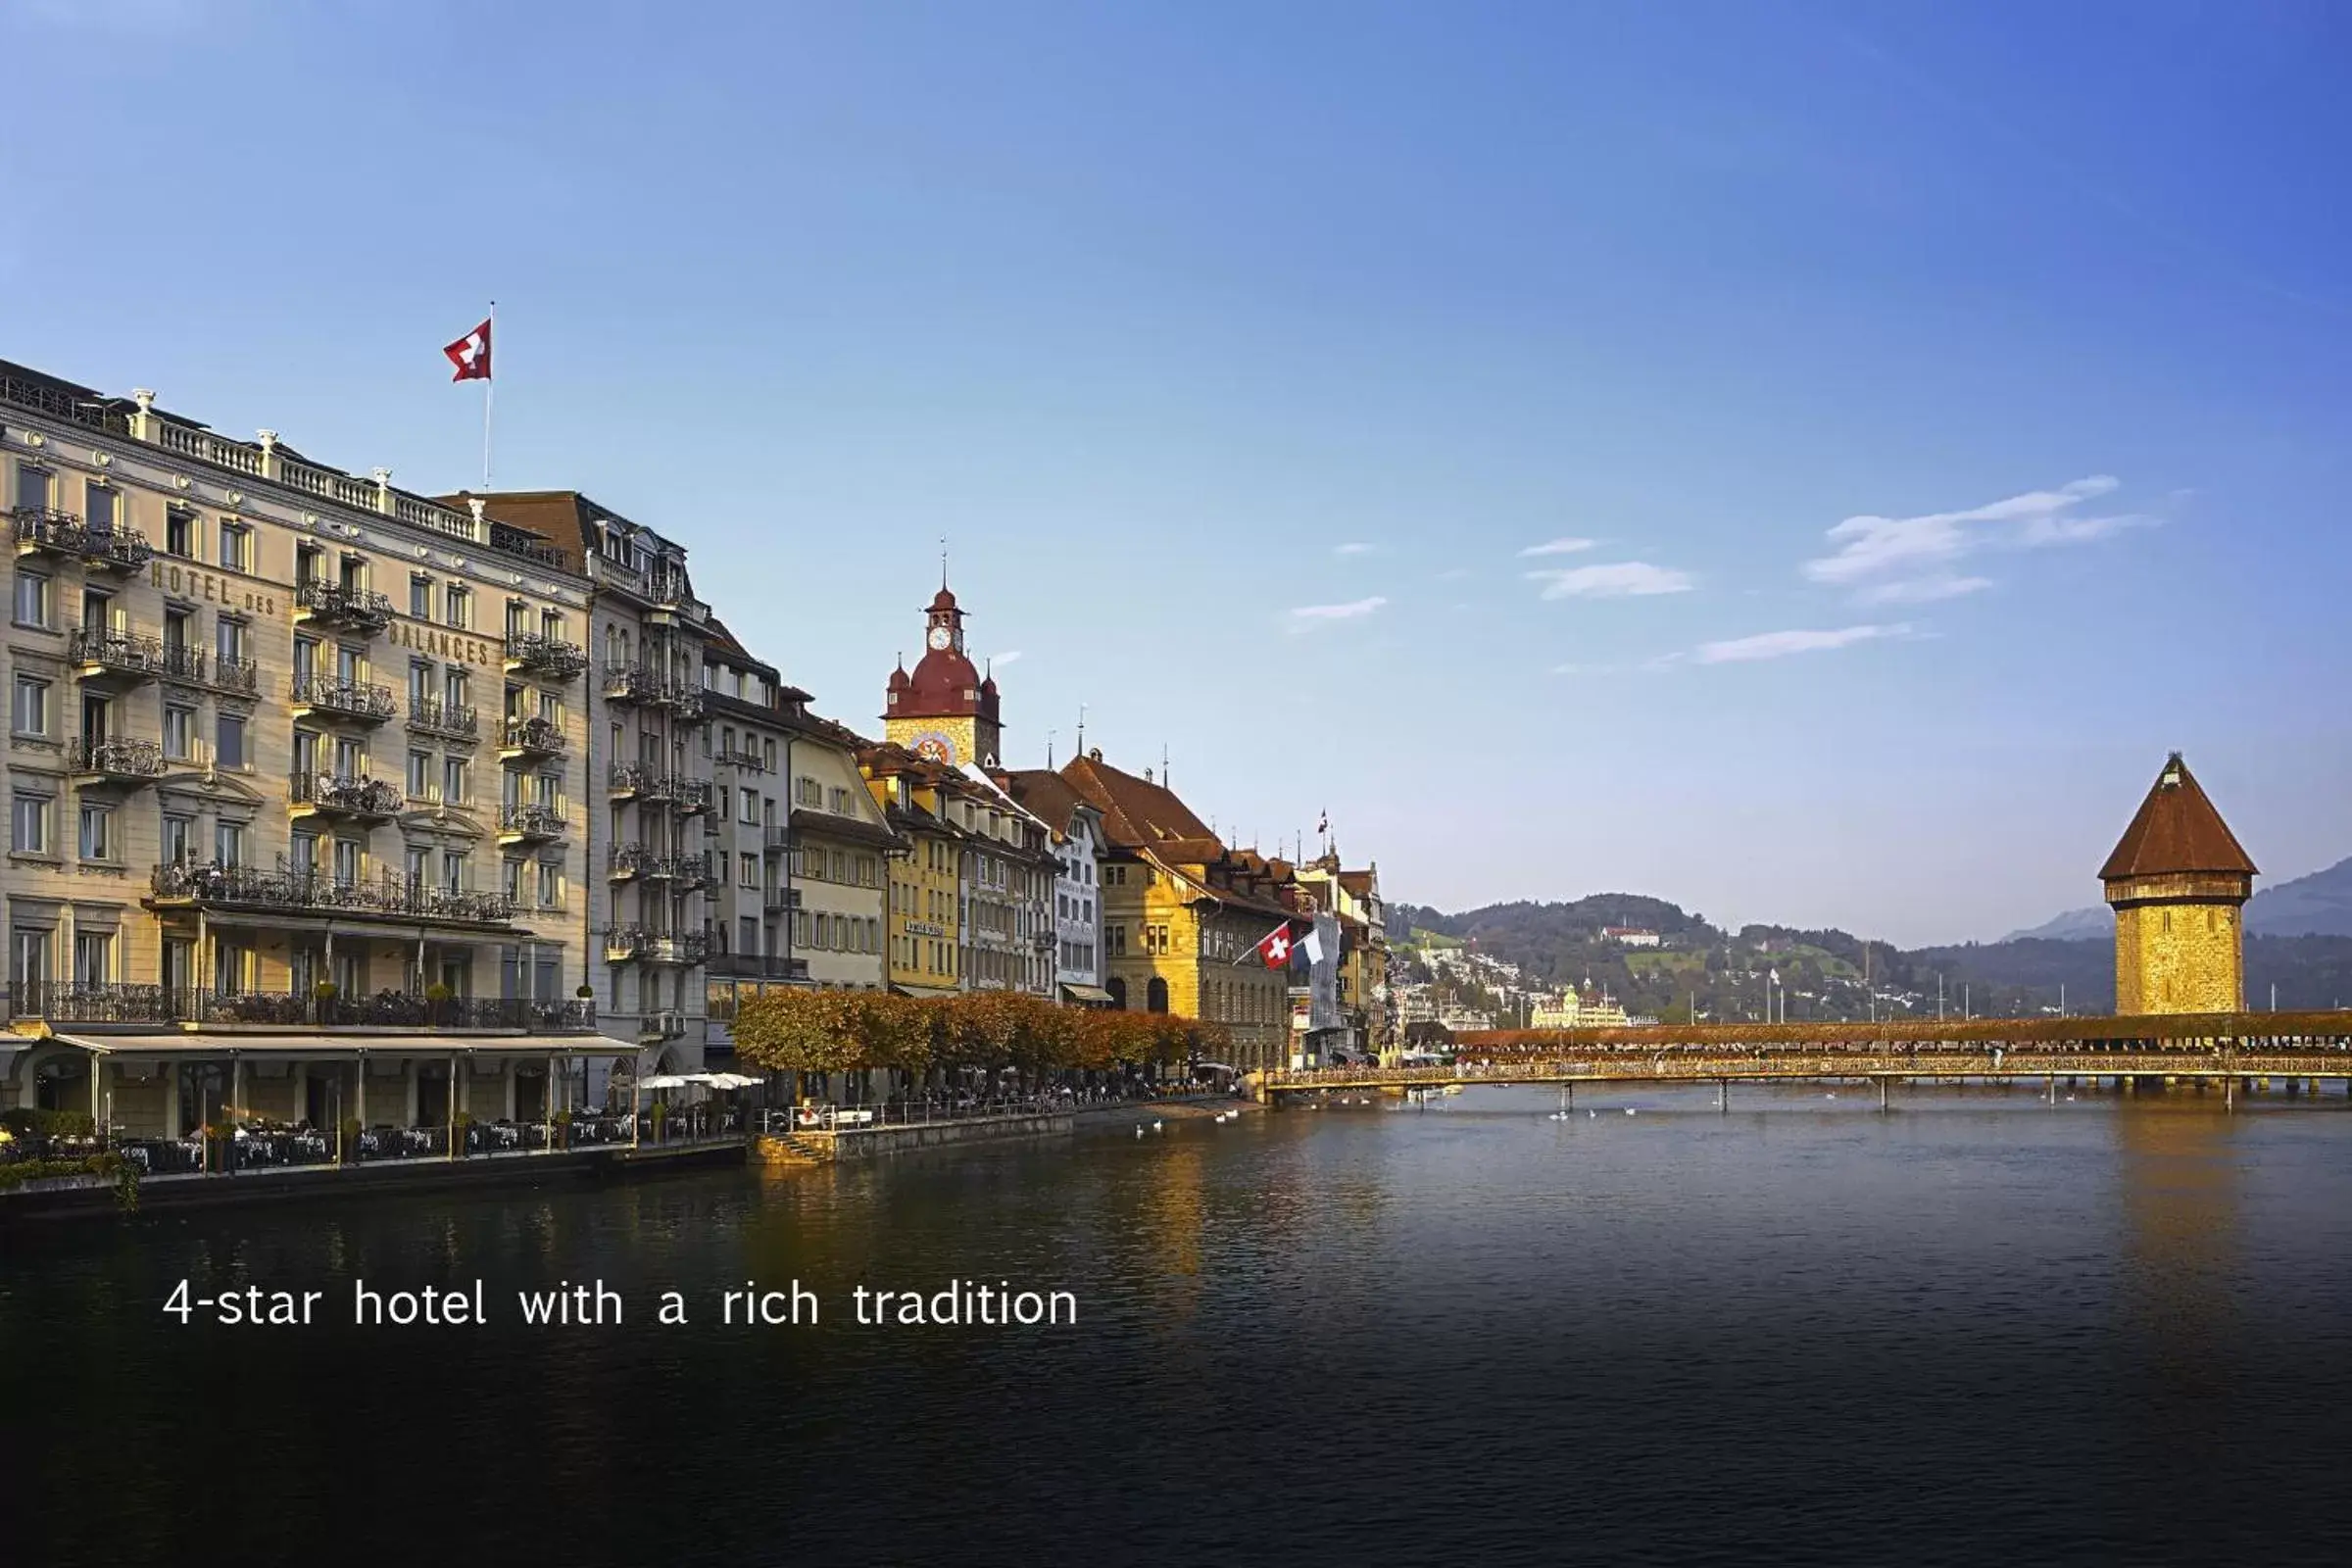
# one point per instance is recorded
(531, 740)
(330, 605)
(337, 797)
(631, 683)
(757, 967)
(633, 944)
(450, 720)
(85, 1002)
(549, 657)
(775, 839)
(691, 872)
(248, 888)
(633, 860)
(350, 701)
(779, 896)
(686, 702)
(115, 759)
(748, 762)
(184, 661)
(115, 659)
(40, 531)
(528, 823)
(635, 781)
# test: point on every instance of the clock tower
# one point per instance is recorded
(945, 710)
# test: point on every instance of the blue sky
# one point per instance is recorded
(1936, 414)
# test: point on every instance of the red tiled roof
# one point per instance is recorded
(2178, 830)
(1138, 814)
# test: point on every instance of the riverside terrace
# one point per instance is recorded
(2224, 1047)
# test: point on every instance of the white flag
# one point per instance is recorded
(1311, 945)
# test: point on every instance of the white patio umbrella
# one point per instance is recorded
(731, 1080)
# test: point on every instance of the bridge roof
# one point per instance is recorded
(2177, 830)
(2213, 1026)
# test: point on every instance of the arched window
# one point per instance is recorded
(1118, 992)
(1156, 999)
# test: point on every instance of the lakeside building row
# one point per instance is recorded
(328, 795)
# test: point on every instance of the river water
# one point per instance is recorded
(1978, 1330)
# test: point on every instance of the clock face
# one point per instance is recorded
(939, 638)
(934, 747)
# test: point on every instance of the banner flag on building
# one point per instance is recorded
(471, 354)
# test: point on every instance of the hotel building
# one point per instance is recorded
(289, 750)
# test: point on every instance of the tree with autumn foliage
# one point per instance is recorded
(850, 1031)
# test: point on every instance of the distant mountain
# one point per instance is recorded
(1832, 973)
(2316, 906)
(2095, 924)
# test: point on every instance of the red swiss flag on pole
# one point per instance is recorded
(1274, 950)
(471, 354)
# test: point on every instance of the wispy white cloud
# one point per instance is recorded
(1922, 590)
(1454, 574)
(994, 660)
(1782, 643)
(1621, 579)
(1307, 617)
(1561, 547)
(1909, 560)
(1353, 547)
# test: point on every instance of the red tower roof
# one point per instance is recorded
(2177, 831)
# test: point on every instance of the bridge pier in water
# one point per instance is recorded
(1885, 1090)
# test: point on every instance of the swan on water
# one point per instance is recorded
(1160, 1127)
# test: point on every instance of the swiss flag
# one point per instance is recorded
(471, 354)
(1274, 950)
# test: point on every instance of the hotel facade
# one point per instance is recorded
(289, 748)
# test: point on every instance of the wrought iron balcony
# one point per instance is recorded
(81, 1001)
(631, 683)
(245, 886)
(116, 760)
(454, 719)
(694, 796)
(530, 737)
(631, 861)
(41, 530)
(549, 657)
(686, 702)
(635, 781)
(749, 761)
(527, 823)
(628, 944)
(691, 871)
(320, 602)
(114, 658)
(353, 700)
(371, 800)
(775, 838)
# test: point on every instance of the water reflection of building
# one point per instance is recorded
(2178, 1177)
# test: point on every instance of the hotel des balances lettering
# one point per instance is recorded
(294, 766)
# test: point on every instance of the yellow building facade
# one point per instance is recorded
(2177, 881)
(923, 929)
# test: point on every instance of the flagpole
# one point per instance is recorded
(489, 391)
